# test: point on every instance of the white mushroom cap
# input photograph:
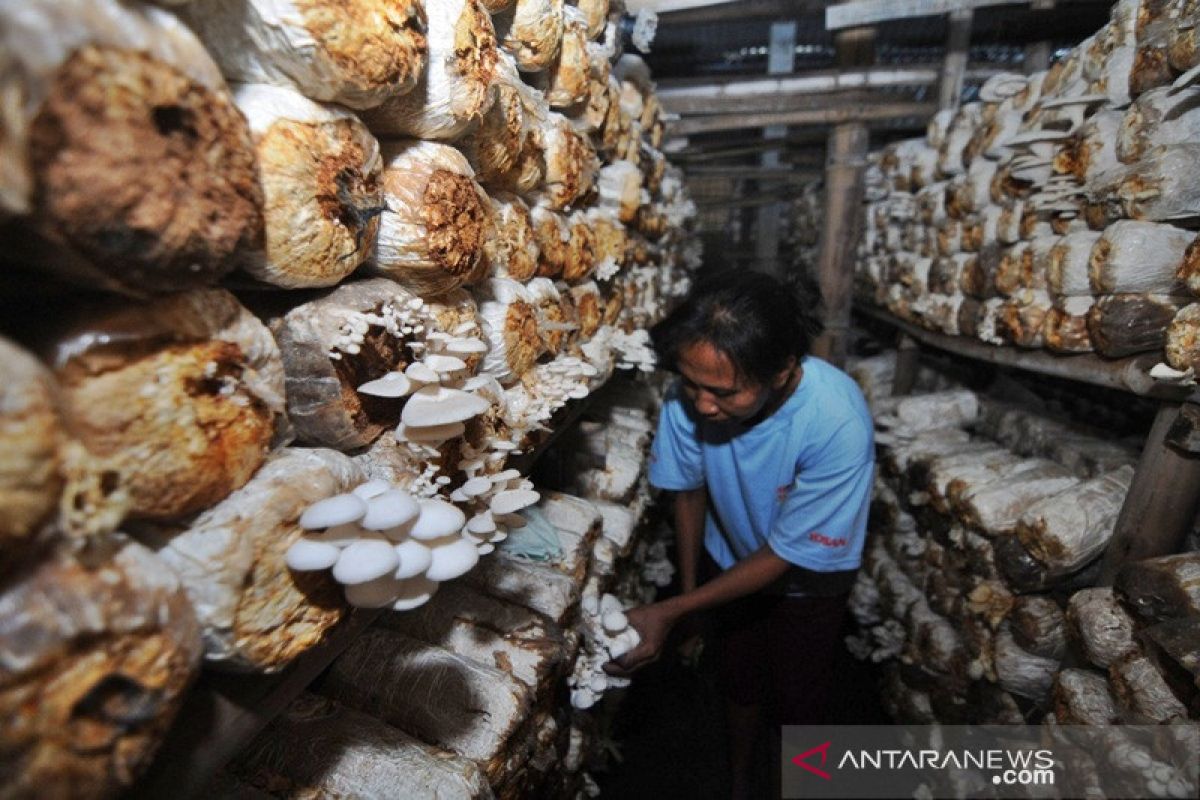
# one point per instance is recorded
(466, 346)
(498, 537)
(457, 496)
(393, 384)
(476, 486)
(365, 561)
(338, 535)
(482, 523)
(609, 603)
(430, 434)
(583, 699)
(452, 560)
(578, 392)
(372, 594)
(336, 510)
(415, 558)
(305, 555)
(443, 364)
(506, 475)
(389, 510)
(615, 622)
(599, 682)
(422, 373)
(503, 444)
(439, 405)
(590, 604)
(438, 518)
(372, 488)
(513, 500)
(485, 548)
(414, 592)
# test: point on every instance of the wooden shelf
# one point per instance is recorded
(1125, 374)
(225, 710)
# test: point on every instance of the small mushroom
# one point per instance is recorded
(305, 555)
(415, 558)
(438, 518)
(466, 346)
(476, 486)
(430, 434)
(389, 510)
(506, 475)
(614, 622)
(365, 561)
(452, 560)
(336, 510)
(441, 405)
(444, 364)
(513, 500)
(482, 524)
(393, 384)
(372, 488)
(414, 592)
(485, 548)
(422, 373)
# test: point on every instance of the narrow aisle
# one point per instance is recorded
(671, 734)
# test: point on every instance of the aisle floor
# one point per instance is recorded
(669, 729)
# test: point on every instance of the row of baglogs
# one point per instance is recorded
(978, 585)
(497, 649)
(1060, 210)
(455, 208)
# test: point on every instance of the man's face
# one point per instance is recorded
(715, 389)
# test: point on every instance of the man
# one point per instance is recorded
(770, 454)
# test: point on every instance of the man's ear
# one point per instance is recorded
(784, 375)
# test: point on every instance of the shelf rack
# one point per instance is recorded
(1164, 496)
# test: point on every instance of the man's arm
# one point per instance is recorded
(690, 507)
(654, 622)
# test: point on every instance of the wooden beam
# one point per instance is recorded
(738, 11)
(750, 172)
(1161, 503)
(767, 93)
(856, 112)
(869, 12)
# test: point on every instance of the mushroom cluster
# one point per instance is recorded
(607, 634)
(390, 549)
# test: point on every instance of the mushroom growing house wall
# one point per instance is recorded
(296, 294)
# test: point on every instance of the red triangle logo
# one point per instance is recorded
(823, 749)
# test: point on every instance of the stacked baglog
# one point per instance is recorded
(433, 228)
(1059, 211)
(978, 583)
(511, 653)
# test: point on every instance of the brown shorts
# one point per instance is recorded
(778, 651)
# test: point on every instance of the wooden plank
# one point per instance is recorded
(821, 80)
(691, 103)
(1125, 374)
(858, 112)
(908, 354)
(869, 12)
(1161, 503)
(738, 11)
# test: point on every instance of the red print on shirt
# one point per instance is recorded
(825, 541)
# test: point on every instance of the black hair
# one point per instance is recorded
(757, 321)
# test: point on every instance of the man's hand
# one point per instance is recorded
(653, 624)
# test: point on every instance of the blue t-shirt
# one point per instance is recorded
(799, 480)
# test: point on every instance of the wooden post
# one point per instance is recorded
(1161, 503)
(958, 45)
(844, 167)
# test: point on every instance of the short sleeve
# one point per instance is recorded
(676, 462)
(822, 523)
